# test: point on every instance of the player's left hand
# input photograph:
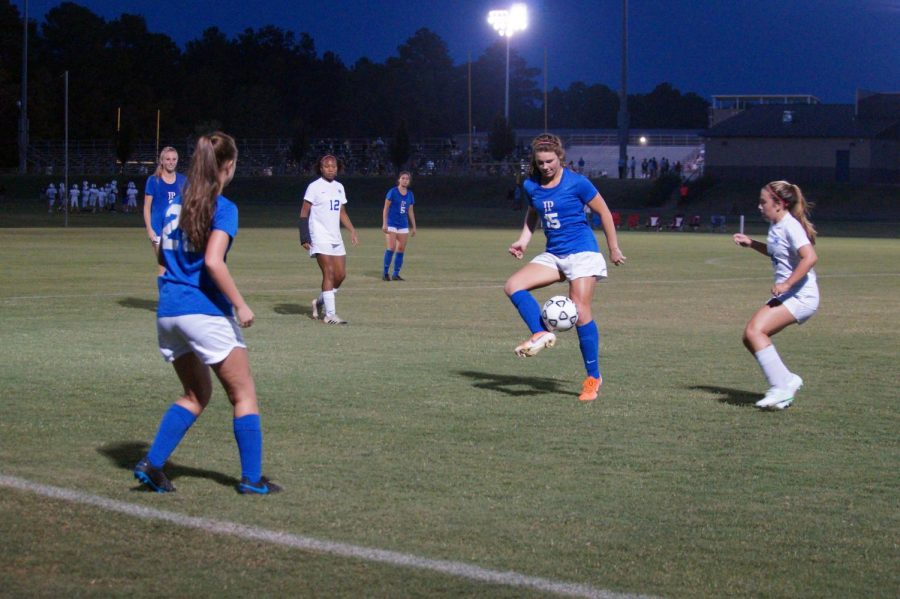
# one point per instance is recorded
(244, 316)
(780, 289)
(617, 257)
(354, 239)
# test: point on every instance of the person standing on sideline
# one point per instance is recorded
(51, 197)
(159, 191)
(199, 317)
(557, 196)
(398, 222)
(795, 293)
(322, 213)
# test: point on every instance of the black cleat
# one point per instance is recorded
(153, 478)
(397, 278)
(261, 487)
(386, 277)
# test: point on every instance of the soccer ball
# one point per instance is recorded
(559, 313)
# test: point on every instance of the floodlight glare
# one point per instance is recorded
(507, 22)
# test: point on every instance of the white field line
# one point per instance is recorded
(312, 290)
(274, 537)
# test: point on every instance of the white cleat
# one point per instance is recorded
(536, 343)
(334, 319)
(778, 398)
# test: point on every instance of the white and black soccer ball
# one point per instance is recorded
(559, 313)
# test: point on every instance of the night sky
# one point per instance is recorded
(827, 48)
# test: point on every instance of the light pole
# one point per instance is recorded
(23, 102)
(623, 97)
(506, 23)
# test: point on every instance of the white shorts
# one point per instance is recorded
(403, 231)
(211, 338)
(575, 266)
(802, 304)
(328, 249)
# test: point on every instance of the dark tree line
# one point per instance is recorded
(272, 82)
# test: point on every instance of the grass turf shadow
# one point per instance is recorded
(514, 385)
(291, 309)
(125, 454)
(734, 397)
(138, 303)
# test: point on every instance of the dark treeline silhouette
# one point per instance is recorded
(271, 82)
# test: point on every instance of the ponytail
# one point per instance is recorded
(201, 191)
(796, 203)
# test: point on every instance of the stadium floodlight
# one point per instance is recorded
(506, 23)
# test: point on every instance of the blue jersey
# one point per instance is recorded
(186, 287)
(163, 193)
(561, 209)
(398, 213)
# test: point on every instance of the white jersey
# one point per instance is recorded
(783, 243)
(326, 198)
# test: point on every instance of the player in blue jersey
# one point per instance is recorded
(199, 314)
(159, 191)
(557, 196)
(398, 221)
(790, 244)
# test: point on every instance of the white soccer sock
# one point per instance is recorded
(328, 298)
(770, 362)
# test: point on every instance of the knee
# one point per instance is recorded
(510, 288)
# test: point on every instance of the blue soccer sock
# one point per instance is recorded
(528, 309)
(398, 263)
(589, 342)
(172, 428)
(248, 434)
(388, 256)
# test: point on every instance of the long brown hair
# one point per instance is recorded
(791, 196)
(203, 186)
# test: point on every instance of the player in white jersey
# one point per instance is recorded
(131, 192)
(322, 213)
(73, 197)
(51, 197)
(795, 293)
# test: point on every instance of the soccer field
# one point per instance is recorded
(415, 430)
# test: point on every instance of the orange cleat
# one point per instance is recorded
(535, 343)
(589, 388)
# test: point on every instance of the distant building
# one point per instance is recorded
(808, 141)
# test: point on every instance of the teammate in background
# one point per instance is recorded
(322, 213)
(557, 196)
(61, 188)
(199, 314)
(51, 197)
(73, 198)
(131, 193)
(159, 191)
(795, 293)
(398, 221)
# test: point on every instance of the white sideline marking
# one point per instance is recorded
(253, 533)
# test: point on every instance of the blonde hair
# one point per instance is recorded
(203, 186)
(159, 161)
(545, 142)
(791, 196)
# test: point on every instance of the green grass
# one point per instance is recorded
(415, 428)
